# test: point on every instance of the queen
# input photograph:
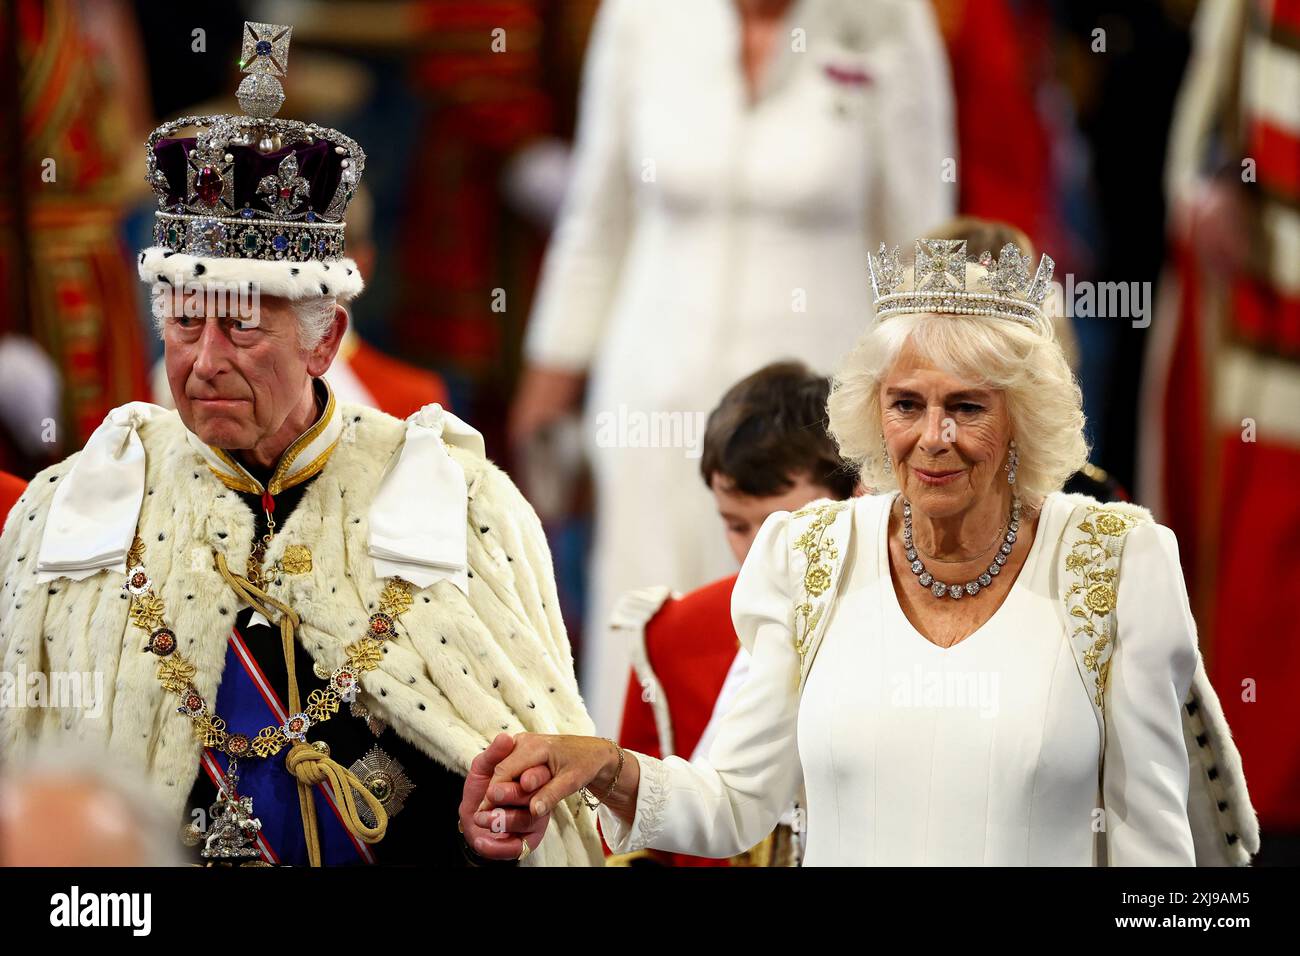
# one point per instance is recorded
(967, 667)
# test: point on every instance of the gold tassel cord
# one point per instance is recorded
(308, 765)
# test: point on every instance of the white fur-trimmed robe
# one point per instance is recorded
(463, 670)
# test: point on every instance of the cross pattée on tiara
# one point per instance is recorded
(939, 283)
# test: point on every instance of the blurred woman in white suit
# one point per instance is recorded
(735, 160)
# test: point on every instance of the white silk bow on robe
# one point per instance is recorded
(418, 527)
(94, 512)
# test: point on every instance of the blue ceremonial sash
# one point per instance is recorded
(248, 703)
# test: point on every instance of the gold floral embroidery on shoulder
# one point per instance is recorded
(819, 551)
(1091, 597)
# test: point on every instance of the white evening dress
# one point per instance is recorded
(704, 236)
(982, 754)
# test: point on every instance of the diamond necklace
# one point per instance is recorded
(939, 588)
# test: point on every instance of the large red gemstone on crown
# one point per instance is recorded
(285, 192)
(208, 185)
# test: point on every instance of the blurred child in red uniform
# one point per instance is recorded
(765, 449)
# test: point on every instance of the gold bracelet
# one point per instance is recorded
(589, 798)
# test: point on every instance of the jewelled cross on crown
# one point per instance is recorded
(940, 265)
(264, 56)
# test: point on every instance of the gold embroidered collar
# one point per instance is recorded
(301, 460)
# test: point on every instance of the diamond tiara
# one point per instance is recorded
(939, 283)
(253, 186)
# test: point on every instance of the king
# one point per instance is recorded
(317, 613)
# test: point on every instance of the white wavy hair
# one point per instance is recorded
(315, 316)
(1043, 399)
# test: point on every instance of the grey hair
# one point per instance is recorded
(315, 318)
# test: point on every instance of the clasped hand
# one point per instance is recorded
(513, 786)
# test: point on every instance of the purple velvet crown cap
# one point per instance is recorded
(318, 163)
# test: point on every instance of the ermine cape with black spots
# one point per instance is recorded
(462, 669)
